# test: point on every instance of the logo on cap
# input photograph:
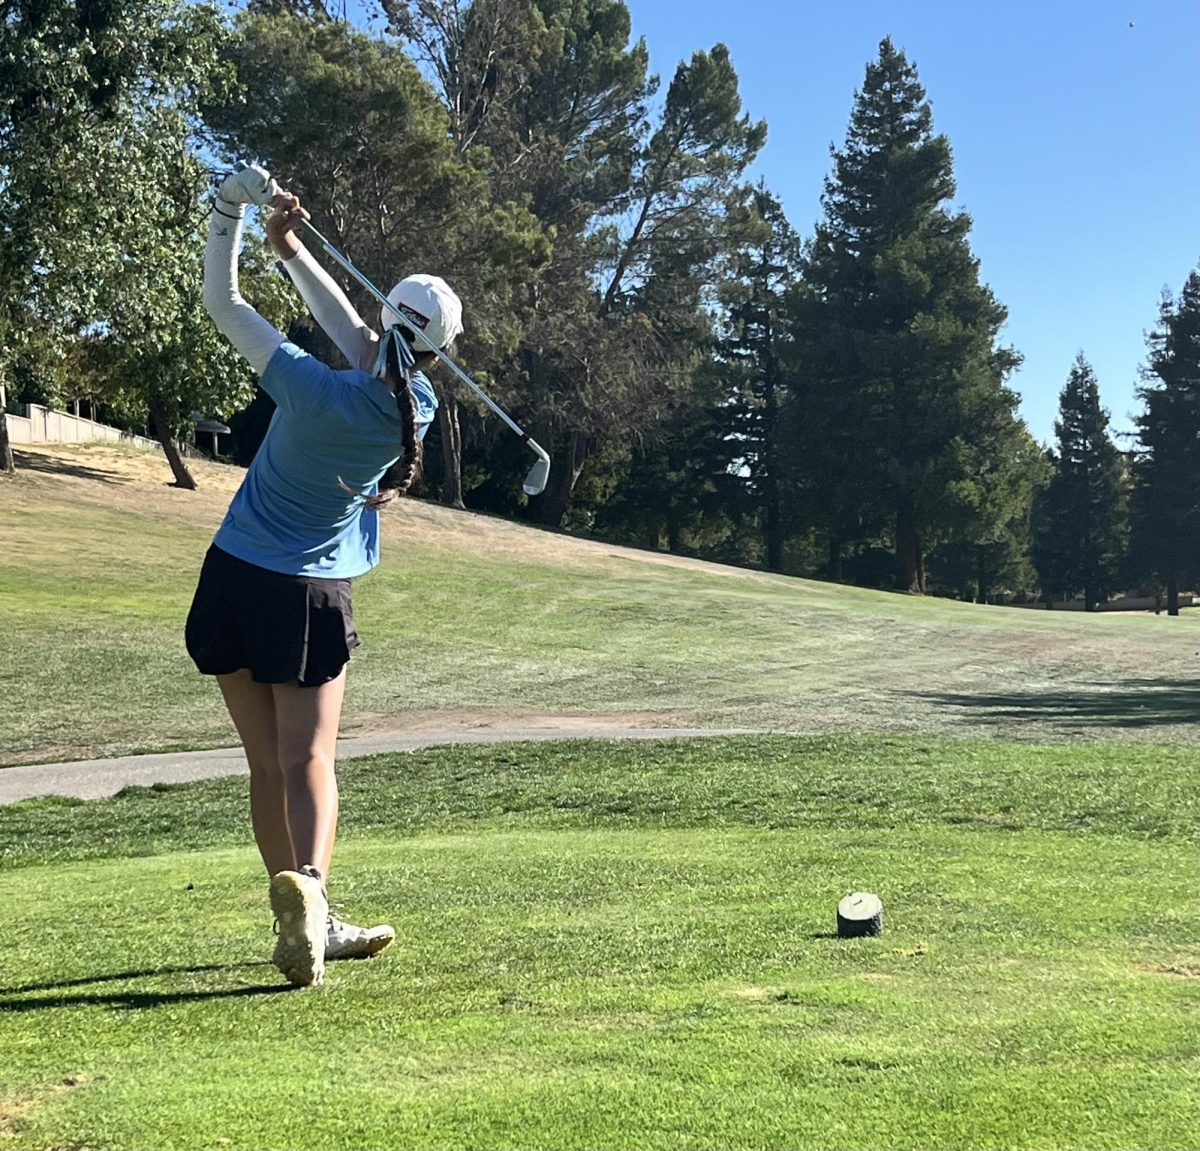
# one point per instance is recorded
(412, 316)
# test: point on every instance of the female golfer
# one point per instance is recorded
(271, 617)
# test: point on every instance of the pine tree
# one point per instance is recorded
(659, 243)
(898, 338)
(1081, 517)
(1166, 498)
(754, 352)
(987, 557)
(683, 489)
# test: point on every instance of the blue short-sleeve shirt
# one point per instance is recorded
(291, 515)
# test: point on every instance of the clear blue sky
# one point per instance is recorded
(1076, 143)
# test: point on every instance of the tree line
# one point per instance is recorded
(707, 379)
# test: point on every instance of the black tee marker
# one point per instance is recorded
(860, 913)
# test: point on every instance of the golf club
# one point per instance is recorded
(535, 481)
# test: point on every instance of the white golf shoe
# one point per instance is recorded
(345, 941)
(301, 909)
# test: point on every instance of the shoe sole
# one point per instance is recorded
(299, 906)
(364, 950)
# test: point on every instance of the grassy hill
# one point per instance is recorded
(473, 620)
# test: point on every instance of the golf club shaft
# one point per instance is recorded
(533, 445)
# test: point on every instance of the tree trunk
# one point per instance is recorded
(834, 565)
(910, 569)
(166, 436)
(452, 493)
(6, 457)
(774, 528)
(674, 536)
(1172, 595)
(771, 458)
(562, 481)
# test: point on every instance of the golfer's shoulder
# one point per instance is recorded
(291, 362)
(295, 379)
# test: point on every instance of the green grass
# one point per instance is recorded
(627, 945)
(92, 661)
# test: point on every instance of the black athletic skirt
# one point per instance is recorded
(282, 628)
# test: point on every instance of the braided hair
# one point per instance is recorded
(401, 363)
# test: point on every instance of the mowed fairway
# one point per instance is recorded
(471, 619)
(601, 945)
(624, 945)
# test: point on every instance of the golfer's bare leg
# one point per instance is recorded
(306, 730)
(252, 708)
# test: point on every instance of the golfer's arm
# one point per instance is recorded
(235, 319)
(331, 309)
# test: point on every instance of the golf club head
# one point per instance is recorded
(535, 482)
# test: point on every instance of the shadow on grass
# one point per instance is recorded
(26, 997)
(36, 462)
(1133, 703)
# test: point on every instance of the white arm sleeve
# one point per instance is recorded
(332, 310)
(235, 319)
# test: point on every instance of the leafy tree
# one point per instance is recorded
(166, 383)
(1081, 517)
(1166, 496)
(6, 454)
(478, 55)
(897, 334)
(99, 191)
(372, 160)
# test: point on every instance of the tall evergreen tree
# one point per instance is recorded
(898, 336)
(754, 351)
(987, 555)
(683, 489)
(549, 98)
(661, 243)
(1081, 519)
(1166, 498)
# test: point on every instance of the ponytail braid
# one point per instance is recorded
(403, 473)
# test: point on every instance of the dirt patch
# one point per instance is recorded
(12, 1113)
(754, 994)
(1181, 970)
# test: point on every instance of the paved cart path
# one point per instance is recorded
(93, 778)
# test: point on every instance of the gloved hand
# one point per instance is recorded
(248, 184)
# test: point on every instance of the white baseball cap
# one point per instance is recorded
(427, 303)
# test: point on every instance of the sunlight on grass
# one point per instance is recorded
(619, 986)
